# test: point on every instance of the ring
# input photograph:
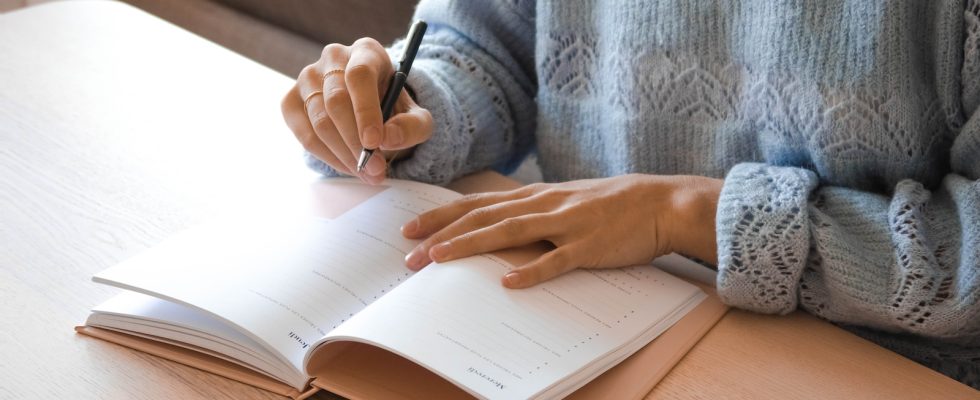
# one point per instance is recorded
(306, 101)
(331, 72)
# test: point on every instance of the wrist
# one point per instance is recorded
(694, 205)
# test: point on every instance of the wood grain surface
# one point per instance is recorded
(118, 129)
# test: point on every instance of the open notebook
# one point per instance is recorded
(293, 302)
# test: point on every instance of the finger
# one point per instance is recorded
(436, 219)
(509, 211)
(299, 123)
(510, 232)
(337, 102)
(311, 91)
(363, 82)
(548, 266)
(327, 132)
(407, 129)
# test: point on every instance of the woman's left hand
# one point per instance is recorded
(596, 223)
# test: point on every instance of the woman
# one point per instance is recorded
(822, 156)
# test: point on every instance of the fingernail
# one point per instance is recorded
(411, 227)
(393, 137)
(375, 166)
(512, 279)
(414, 259)
(440, 251)
(372, 135)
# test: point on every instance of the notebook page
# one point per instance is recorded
(285, 282)
(149, 317)
(140, 307)
(456, 319)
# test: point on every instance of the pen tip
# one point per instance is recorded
(363, 160)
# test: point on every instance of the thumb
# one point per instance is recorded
(408, 128)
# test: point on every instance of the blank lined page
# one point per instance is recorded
(285, 282)
(456, 319)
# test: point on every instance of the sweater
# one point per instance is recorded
(847, 133)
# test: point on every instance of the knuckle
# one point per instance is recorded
(367, 43)
(332, 51)
(480, 215)
(525, 191)
(367, 111)
(427, 218)
(534, 188)
(469, 202)
(513, 226)
(308, 73)
(469, 199)
(360, 73)
(466, 241)
(555, 191)
(556, 195)
(320, 122)
(336, 97)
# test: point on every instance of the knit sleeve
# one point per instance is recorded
(907, 262)
(475, 73)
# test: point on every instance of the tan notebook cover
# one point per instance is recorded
(197, 360)
(359, 371)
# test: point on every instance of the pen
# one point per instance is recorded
(397, 81)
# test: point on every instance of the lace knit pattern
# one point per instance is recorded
(848, 136)
(764, 264)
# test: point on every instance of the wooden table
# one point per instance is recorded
(118, 129)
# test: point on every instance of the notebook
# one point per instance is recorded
(294, 300)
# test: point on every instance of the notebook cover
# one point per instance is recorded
(197, 360)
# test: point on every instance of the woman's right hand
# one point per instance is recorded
(334, 110)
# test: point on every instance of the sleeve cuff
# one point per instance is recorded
(319, 166)
(763, 236)
(438, 159)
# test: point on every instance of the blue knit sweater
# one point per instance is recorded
(847, 132)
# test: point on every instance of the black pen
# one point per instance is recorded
(397, 81)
